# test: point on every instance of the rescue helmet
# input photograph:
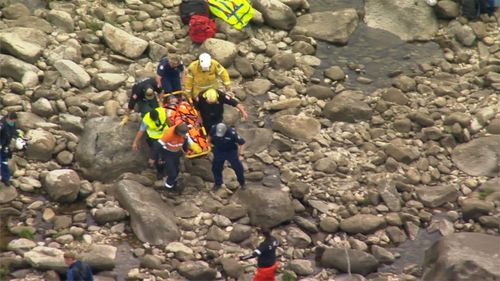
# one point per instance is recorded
(149, 93)
(20, 143)
(211, 95)
(220, 130)
(181, 129)
(205, 61)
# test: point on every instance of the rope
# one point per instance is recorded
(347, 256)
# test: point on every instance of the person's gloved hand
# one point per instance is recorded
(124, 121)
(196, 148)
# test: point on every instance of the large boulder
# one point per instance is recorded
(109, 81)
(122, 42)
(362, 223)
(257, 139)
(359, 261)
(478, 157)
(435, 196)
(33, 22)
(153, 222)
(410, 20)
(340, 25)
(7, 193)
(74, 73)
(104, 151)
(100, 257)
(16, 68)
(299, 127)
(266, 207)
(258, 87)
(463, 256)
(221, 50)
(14, 11)
(46, 258)
(41, 144)
(276, 14)
(62, 185)
(13, 44)
(349, 107)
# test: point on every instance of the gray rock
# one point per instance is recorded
(282, 104)
(180, 250)
(7, 193)
(100, 257)
(151, 262)
(478, 157)
(257, 139)
(258, 201)
(276, 14)
(335, 73)
(302, 128)
(240, 233)
(282, 60)
(223, 51)
(42, 107)
(395, 96)
(40, 145)
(258, 87)
(298, 238)
(216, 234)
(109, 81)
(109, 214)
(462, 256)
(405, 154)
(320, 92)
(305, 224)
(303, 48)
(326, 165)
(21, 245)
(360, 262)
(405, 83)
(62, 185)
(151, 222)
(62, 20)
(341, 25)
(15, 45)
(390, 195)
(447, 9)
(186, 210)
(463, 33)
(74, 73)
(301, 267)
(15, 68)
(33, 22)
(396, 235)
(329, 225)
(71, 123)
(347, 106)
(232, 267)
(196, 271)
(46, 258)
(122, 42)
(244, 67)
(473, 208)
(435, 196)
(382, 255)
(393, 17)
(15, 11)
(104, 154)
(362, 223)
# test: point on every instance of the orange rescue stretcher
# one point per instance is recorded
(183, 111)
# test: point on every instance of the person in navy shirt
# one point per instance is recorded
(169, 73)
(77, 270)
(227, 145)
(266, 257)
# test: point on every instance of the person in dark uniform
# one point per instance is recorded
(169, 73)
(210, 105)
(144, 95)
(266, 257)
(77, 270)
(8, 131)
(227, 145)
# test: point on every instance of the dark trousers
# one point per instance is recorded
(218, 165)
(208, 123)
(170, 162)
(170, 84)
(4, 167)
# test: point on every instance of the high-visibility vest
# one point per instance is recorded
(154, 130)
(172, 141)
(235, 12)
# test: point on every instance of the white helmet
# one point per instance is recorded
(20, 143)
(205, 61)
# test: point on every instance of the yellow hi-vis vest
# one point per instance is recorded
(235, 12)
(153, 130)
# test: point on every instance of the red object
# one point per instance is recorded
(265, 273)
(201, 28)
(188, 8)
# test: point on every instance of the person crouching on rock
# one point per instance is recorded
(77, 270)
(266, 257)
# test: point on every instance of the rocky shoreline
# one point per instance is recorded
(336, 171)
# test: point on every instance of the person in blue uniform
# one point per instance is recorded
(169, 73)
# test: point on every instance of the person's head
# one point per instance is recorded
(69, 258)
(172, 99)
(153, 114)
(266, 232)
(181, 129)
(174, 60)
(149, 93)
(220, 130)
(205, 61)
(11, 118)
(211, 95)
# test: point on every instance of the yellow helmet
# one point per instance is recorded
(211, 95)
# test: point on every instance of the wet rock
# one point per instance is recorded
(122, 42)
(342, 24)
(223, 51)
(258, 87)
(74, 73)
(62, 185)
(46, 258)
(362, 223)
(435, 196)
(392, 17)
(462, 256)
(15, 68)
(150, 222)
(301, 267)
(7, 193)
(15, 45)
(360, 262)
(197, 271)
(477, 157)
(21, 245)
(61, 19)
(335, 73)
(109, 81)
(347, 107)
(302, 128)
(15, 11)
(100, 257)
(447, 9)
(104, 154)
(109, 214)
(320, 92)
(473, 208)
(276, 14)
(382, 255)
(40, 145)
(258, 200)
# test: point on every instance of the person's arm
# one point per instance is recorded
(257, 252)
(188, 82)
(241, 151)
(138, 136)
(224, 76)
(241, 108)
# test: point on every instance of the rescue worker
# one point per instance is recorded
(169, 149)
(203, 74)
(227, 145)
(144, 95)
(210, 105)
(8, 131)
(153, 123)
(169, 73)
(77, 270)
(266, 257)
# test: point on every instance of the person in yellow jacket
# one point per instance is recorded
(153, 123)
(203, 74)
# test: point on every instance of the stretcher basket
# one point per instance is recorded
(184, 111)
